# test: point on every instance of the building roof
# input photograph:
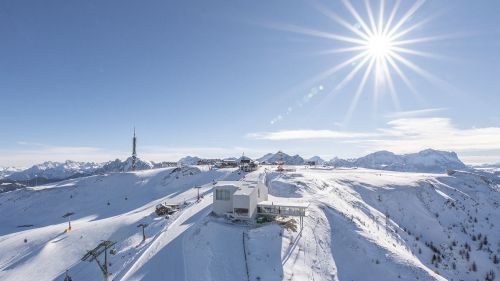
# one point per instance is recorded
(289, 204)
(242, 187)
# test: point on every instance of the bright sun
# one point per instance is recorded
(379, 46)
(379, 43)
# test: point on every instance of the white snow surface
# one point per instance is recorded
(362, 225)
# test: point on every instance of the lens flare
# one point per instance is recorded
(380, 45)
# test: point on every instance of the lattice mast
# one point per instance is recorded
(134, 153)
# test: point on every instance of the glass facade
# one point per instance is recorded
(222, 195)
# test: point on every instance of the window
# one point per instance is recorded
(241, 211)
(258, 192)
(222, 195)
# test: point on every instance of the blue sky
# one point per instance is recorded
(219, 78)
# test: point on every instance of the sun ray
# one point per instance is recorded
(342, 50)
(390, 83)
(325, 11)
(370, 17)
(417, 69)
(357, 95)
(315, 33)
(406, 16)
(356, 15)
(331, 71)
(380, 26)
(391, 17)
(424, 39)
(417, 53)
(403, 77)
(381, 45)
(351, 74)
(413, 27)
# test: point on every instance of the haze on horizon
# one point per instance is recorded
(220, 79)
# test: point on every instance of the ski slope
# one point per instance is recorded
(362, 225)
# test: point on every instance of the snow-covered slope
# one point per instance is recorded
(361, 225)
(381, 225)
(34, 245)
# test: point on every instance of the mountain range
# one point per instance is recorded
(433, 161)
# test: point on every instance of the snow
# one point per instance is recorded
(429, 160)
(281, 156)
(424, 161)
(316, 159)
(54, 171)
(7, 171)
(189, 160)
(362, 224)
(285, 203)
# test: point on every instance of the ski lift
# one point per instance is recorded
(113, 251)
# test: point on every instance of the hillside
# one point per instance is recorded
(362, 224)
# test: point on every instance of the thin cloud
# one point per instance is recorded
(414, 113)
(30, 153)
(405, 135)
(306, 134)
(163, 153)
(412, 134)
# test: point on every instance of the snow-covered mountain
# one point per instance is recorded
(428, 160)
(316, 159)
(52, 171)
(361, 225)
(124, 166)
(338, 162)
(281, 156)
(55, 170)
(7, 171)
(189, 160)
(424, 161)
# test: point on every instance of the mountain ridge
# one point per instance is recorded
(428, 160)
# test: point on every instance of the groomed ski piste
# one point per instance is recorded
(362, 225)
